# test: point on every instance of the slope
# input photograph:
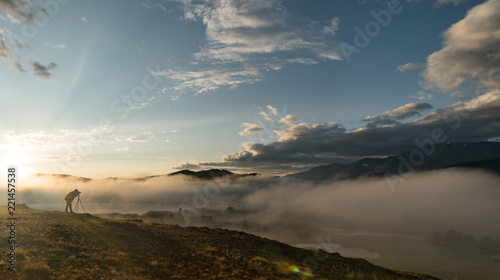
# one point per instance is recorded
(55, 245)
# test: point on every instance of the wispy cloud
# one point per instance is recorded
(43, 71)
(4, 47)
(44, 140)
(422, 95)
(9, 18)
(55, 46)
(156, 5)
(238, 28)
(206, 80)
(141, 106)
(261, 33)
(18, 66)
(23, 10)
(250, 128)
(391, 118)
(409, 66)
(50, 142)
(440, 3)
(405, 111)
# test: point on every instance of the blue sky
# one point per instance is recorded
(132, 88)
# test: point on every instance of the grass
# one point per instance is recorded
(56, 245)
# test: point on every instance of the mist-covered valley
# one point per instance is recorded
(446, 216)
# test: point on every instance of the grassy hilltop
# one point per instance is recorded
(56, 245)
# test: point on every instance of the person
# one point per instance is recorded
(69, 199)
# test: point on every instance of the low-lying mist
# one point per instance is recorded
(460, 199)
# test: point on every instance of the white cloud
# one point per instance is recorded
(390, 118)
(4, 47)
(22, 45)
(288, 119)
(409, 66)
(207, 80)
(332, 28)
(150, 5)
(49, 141)
(141, 106)
(145, 137)
(408, 110)
(84, 19)
(10, 19)
(237, 28)
(187, 165)
(422, 95)
(19, 10)
(257, 32)
(270, 114)
(440, 3)
(486, 106)
(55, 46)
(19, 67)
(250, 128)
(471, 51)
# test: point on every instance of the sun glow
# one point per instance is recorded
(16, 158)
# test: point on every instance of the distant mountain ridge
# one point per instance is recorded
(203, 175)
(210, 174)
(483, 155)
(480, 155)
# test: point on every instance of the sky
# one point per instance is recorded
(136, 88)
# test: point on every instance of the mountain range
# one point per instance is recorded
(481, 155)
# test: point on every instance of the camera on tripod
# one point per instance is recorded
(78, 203)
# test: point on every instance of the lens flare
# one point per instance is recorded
(305, 272)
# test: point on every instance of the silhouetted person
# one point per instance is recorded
(69, 199)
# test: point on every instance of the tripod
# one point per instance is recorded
(79, 202)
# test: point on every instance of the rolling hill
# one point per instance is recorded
(56, 245)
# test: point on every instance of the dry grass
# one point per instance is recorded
(56, 245)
